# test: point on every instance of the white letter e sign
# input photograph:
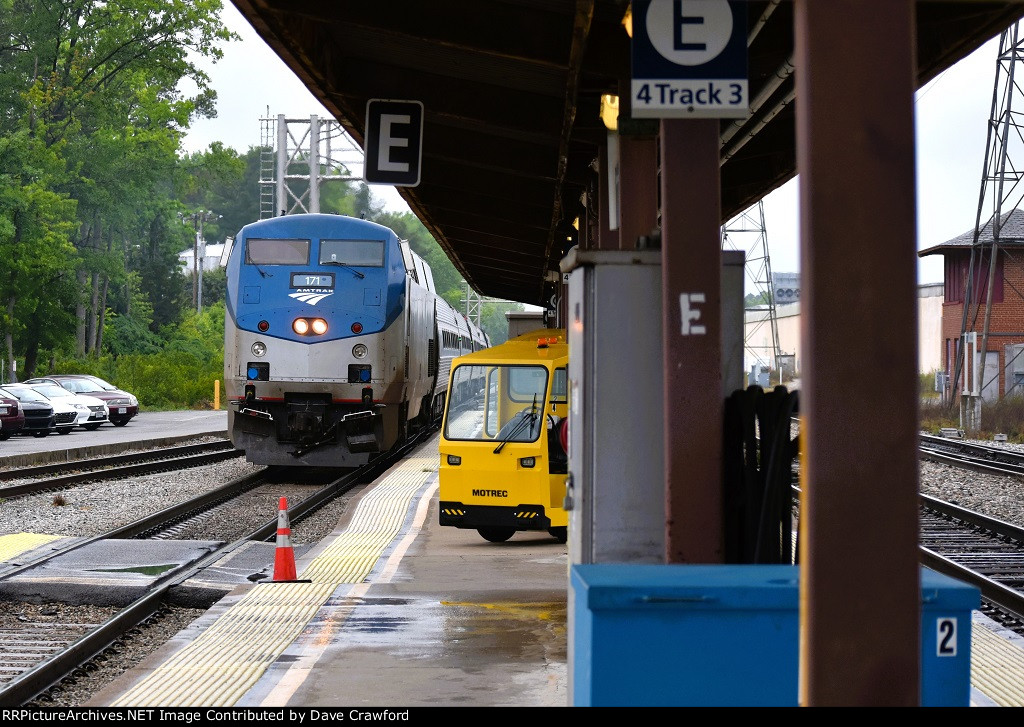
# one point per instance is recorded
(690, 314)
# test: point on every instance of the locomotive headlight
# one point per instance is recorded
(306, 326)
(359, 350)
(259, 349)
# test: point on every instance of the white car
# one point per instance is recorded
(90, 411)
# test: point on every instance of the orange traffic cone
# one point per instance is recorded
(284, 557)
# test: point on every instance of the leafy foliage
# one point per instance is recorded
(97, 200)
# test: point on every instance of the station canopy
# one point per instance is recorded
(511, 93)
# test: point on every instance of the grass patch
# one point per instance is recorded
(1005, 416)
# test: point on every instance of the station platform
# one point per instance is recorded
(394, 611)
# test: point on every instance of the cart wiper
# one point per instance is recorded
(343, 265)
(524, 421)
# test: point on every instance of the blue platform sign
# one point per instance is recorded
(689, 59)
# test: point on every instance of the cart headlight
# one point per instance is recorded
(359, 350)
(259, 349)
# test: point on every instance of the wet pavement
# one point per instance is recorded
(441, 618)
(463, 623)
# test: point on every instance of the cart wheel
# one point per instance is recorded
(496, 535)
(560, 534)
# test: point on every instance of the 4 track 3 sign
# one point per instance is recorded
(689, 59)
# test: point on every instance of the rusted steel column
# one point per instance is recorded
(607, 238)
(638, 189)
(691, 273)
(860, 578)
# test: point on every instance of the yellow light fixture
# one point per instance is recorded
(610, 111)
(627, 21)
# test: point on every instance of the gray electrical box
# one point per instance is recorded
(616, 491)
(615, 399)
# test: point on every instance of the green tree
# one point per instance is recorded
(35, 224)
(752, 301)
(447, 280)
(221, 182)
(96, 83)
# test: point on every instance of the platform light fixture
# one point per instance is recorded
(610, 111)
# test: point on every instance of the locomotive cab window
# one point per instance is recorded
(265, 251)
(360, 253)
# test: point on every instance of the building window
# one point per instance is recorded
(957, 268)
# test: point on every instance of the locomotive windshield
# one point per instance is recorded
(485, 400)
(363, 253)
(262, 251)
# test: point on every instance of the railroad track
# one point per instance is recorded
(28, 677)
(979, 550)
(970, 546)
(114, 467)
(970, 455)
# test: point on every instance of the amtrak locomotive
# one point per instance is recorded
(336, 343)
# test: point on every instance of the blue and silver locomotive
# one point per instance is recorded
(336, 343)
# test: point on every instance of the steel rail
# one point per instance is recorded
(145, 468)
(51, 671)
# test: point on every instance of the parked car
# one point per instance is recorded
(12, 418)
(87, 411)
(40, 419)
(121, 404)
(65, 416)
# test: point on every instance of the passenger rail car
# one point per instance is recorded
(504, 440)
(336, 343)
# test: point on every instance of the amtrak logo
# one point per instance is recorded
(310, 296)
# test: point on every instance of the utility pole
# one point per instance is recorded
(199, 255)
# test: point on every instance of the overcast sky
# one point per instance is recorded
(952, 116)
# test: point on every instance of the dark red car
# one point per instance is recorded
(12, 418)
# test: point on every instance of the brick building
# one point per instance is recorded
(1004, 360)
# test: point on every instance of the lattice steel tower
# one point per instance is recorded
(297, 156)
(1000, 194)
(747, 233)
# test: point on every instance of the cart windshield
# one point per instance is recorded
(486, 403)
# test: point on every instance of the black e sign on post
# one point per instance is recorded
(394, 142)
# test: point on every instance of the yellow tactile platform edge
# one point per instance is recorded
(997, 667)
(229, 657)
(11, 546)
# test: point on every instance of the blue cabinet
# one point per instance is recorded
(728, 635)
